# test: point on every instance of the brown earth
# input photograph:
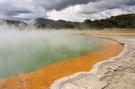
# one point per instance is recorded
(109, 33)
(44, 77)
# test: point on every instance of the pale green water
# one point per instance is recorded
(27, 51)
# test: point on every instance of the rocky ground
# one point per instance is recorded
(115, 73)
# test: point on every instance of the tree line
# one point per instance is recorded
(120, 21)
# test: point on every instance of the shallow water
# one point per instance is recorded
(27, 51)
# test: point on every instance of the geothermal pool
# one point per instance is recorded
(27, 51)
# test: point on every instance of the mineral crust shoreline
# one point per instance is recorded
(115, 73)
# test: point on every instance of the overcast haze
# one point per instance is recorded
(70, 10)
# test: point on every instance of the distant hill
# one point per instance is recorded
(120, 21)
(48, 23)
(41, 21)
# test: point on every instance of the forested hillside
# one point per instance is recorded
(121, 21)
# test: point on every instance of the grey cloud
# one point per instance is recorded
(130, 2)
(103, 5)
(60, 4)
(20, 11)
(17, 12)
(31, 9)
(11, 10)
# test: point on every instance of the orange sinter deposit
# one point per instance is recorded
(43, 78)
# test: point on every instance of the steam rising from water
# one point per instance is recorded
(29, 50)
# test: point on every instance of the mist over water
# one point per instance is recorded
(29, 50)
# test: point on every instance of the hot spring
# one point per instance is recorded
(27, 51)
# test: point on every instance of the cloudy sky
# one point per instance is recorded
(70, 10)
